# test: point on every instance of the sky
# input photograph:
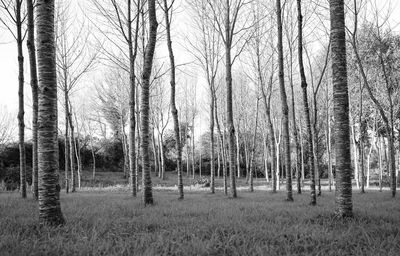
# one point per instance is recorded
(9, 65)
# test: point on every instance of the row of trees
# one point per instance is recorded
(246, 52)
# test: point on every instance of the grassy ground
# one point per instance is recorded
(259, 223)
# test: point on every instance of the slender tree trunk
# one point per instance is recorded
(200, 162)
(328, 140)
(160, 167)
(295, 135)
(355, 157)
(145, 106)
(174, 110)
(67, 164)
(341, 109)
(222, 147)
(253, 148)
(315, 140)
(193, 162)
(229, 108)
(212, 143)
(380, 164)
(285, 108)
(155, 152)
(21, 111)
(49, 189)
(132, 89)
(72, 154)
(271, 134)
(162, 153)
(302, 157)
(93, 158)
(361, 141)
(138, 139)
(34, 86)
(78, 161)
(369, 164)
(238, 153)
(247, 158)
(218, 160)
(306, 107)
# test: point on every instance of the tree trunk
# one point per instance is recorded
(72, 154)
(93, 158)
(34, 86)
(193, 162)
(238, 154)
(138, 140)
(222, 147)
(247, 158)
(380, 163)
(162, 154)
(306, 107)
(67, 164)
(355, 157)
(369, 164)
(132, 100)
(341, 109)
(253, 148)
(361, 141)
(78, 161)
(174, 110)
(212, 143)
(285, 108)
(328, 140)
(145, 104)
(295, 135)
(49, 189)
(271, 134)
(21, 112)
(229, 109)
(155, 152)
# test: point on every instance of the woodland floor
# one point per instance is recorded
(258, 223)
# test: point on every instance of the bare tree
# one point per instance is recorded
(73, 61)
(341, 108)
(147, 67)
(49, 189)
(206, 49)
(285, 108)
(387, 116)
(34, 85)
(13, 19)
(168, 11)
(227, 15)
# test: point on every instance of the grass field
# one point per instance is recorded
(259, 223)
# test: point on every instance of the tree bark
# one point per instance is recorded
(229, 108)
(341, 110)
(253, 148)
(145, 106)
(222, 148)
(271, 134)
(174, 110)
(132, 46)
(306, 107)
(21, 112)
(49, 189)
(34, 86)
(212, 143)
(72, 153)
(67, 163)
(285, 108)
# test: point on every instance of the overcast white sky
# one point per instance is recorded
(9, 71)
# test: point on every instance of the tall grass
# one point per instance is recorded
(259, 223)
